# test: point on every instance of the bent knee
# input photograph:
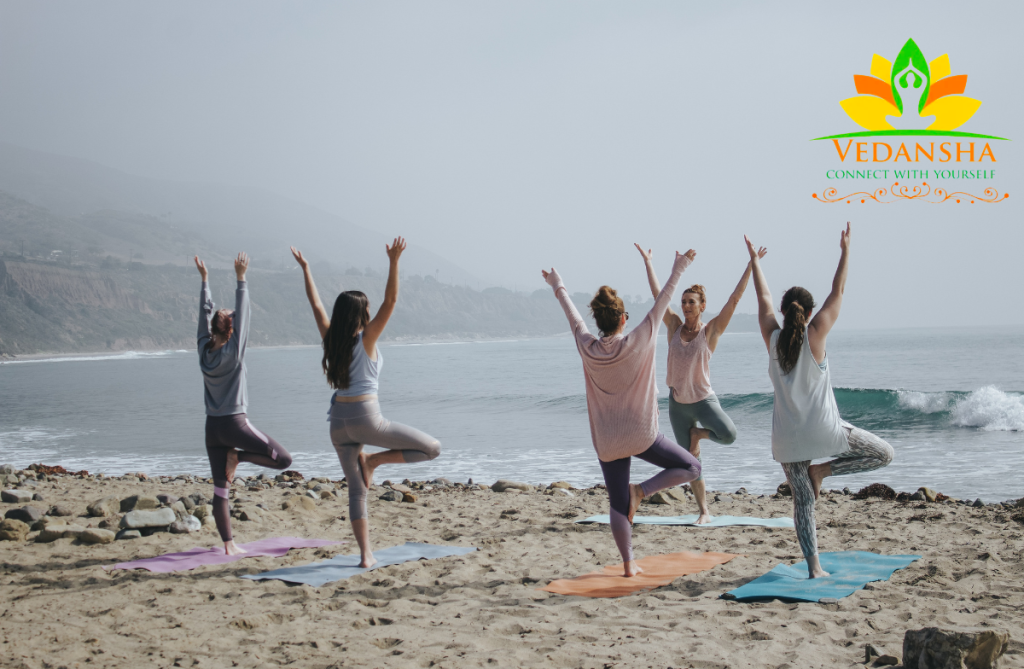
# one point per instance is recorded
(727, 437)
(697, 470)
(432, 450)
(284, 461)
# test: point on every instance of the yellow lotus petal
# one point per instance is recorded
(950, 112)
(940, 67)
(880, 67)
(869, 112)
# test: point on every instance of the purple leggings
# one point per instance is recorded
(680, 467)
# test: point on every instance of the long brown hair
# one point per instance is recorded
(349, 316)
(607, 309)
(797, 303)
(219, 330)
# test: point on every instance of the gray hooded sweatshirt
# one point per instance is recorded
(224, 369)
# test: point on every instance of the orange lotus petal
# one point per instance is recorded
(947, 86)
(871, 86)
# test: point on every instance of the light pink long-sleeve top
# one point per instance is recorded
(622, 393)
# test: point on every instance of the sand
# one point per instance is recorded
(61, 609)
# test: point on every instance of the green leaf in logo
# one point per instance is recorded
(910, 69)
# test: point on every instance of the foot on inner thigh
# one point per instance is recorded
(367, 470)
(696, 434)
(814, 569)
(631, 568)
(231, 549)
(368, 560)
(817, 474)
(636, 495)
(231, 466)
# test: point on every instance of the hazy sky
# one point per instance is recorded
(519, 135)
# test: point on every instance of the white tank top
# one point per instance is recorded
(805, 418)
(362, 372)
(689, 368)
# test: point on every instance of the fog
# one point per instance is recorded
(510, 137)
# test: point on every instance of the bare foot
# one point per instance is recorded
(696, 434)
(817, 474)
(636, 495)
(367, 471)
(818, 573)
(367, 561)
(231, 465)
(814, 569)
(704, 517)
(231, 549)
(632, 569)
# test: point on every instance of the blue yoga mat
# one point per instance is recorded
(849, 571)
(716, 521)
(345, 566)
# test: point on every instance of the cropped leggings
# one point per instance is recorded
(357, 423)
(708, 412)
(236, 433)
(679, 467)
(867, 452)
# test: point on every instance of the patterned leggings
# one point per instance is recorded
(867, 452)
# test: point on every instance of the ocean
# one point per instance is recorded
(949, 400)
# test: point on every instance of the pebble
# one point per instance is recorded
(299, 503)
(139, 502)
(203, 511)
(441, 481)
(560, 484)
(409, 497)
(95, 535)
(391, 496)
(180, 512)
(13, 530)
(937, 647)
(189, 504)
(918, 497)
(26, 514)
(50, 534)
(38, 497)
(6, 469)
(60, 510)
(166, 500)
(135, 520)
(978, 503)
(660, 498)
(327, 494)
(107, 506)
(928, 493)
(128, 534)
(187, 525)
(16, 496)
(311, 494)
(502, 485)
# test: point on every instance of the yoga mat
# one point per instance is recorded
(197, 557)
(848, 572)
(659, 570)
(716, 521)
(345, 566)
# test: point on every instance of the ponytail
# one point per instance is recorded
(797, 303)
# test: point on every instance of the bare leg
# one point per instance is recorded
(231, 466)
(817, 474)
(814, 569)
(632, 569)
(699, 491)
(636, 495)
(369, 463)
(231, 549)
(361, 530)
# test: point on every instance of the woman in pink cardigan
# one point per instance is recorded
(622, 401)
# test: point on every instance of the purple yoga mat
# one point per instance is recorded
(197, 557)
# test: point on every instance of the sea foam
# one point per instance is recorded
(989, 409)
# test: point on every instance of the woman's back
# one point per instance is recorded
(363, 373)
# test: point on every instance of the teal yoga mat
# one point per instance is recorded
(716, 521)
(849, 571)
(345, 566)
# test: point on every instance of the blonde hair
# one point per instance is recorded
(607, 309)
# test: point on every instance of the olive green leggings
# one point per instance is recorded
(708, 412)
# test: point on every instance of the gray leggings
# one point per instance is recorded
(354, 424)
(867, 452)
(708, 412)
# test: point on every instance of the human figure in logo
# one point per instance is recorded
(805, 422)
(230, 437)
(352, 363)
(622, 400)
(690, 346)
(911, 84)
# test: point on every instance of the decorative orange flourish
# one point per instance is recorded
(922, 192)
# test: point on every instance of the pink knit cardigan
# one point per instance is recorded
(622, 394)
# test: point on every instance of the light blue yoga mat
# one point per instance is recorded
(345, 566)
(848, 572)
(716, 521)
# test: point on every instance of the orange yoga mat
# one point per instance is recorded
(659, 570)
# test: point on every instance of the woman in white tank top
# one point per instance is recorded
(805, 419)
(691, 400)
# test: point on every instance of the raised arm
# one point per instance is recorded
(576, 322)
(826, 317)
(765, 312)
(718, 324)
(375, 327)
(664, 297)
(671, 319)
(319, 313)
(241, 320)
(206, 306)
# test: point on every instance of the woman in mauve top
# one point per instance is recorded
(690, 346)
(805, 419)
(622, 401)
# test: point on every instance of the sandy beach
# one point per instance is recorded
(62, 609)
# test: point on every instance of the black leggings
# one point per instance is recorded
(236, 433)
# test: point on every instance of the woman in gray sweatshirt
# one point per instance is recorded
(230, 437)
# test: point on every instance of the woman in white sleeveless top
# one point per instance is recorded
(691, 344)
(805, 420)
